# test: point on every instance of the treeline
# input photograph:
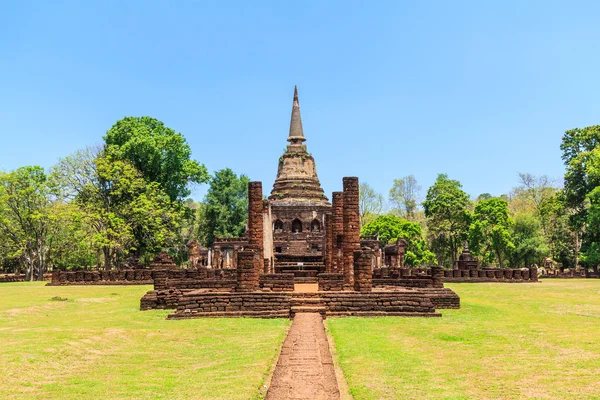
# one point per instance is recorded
(537, 223)
(117, 203)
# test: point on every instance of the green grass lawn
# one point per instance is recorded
(508, 341)
(97, 344)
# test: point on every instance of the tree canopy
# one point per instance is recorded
(158, 152)
(446, 208)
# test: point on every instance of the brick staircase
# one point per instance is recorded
(307, 303)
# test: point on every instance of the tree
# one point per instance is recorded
(490, 231)
(560, 238)
(405, 196)
(226, 206)
(581, 155)
(446, 208)
(530, 247)
(160, 154)
(25, 219)
(370, 203)
(390, 228)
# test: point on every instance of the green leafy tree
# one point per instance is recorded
(25, 220)
(490, 231)
(225, 207)
(158, 152)
(405, 196)
(530, 247)
(446, 209)
(370, 204)
(581, 155)
(390, 228)
(560, 238)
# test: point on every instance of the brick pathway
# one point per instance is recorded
(305, 367)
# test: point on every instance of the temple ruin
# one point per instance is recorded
(297, 237)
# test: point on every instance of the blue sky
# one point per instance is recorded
(479, 90)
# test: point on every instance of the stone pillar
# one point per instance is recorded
(437, 273)
(363, 269)
(337, 231)
(247, 274)
(351, 241)
(255, 218)
(328, 254)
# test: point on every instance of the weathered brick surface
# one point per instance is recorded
(337, 232)
(363, 270)
(254, 304)
(331, 282)
(255, 219)
(276, 282)
(355, 302)
(351, 238)
(248, 267)
(328, 253)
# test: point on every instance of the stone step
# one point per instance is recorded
(306, 301)
(309, 309)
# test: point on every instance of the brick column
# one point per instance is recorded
(247, 272)
(337, 231)
(437, 273)
(328, 244)
(363, 270)
(255, 221)
(351, 241)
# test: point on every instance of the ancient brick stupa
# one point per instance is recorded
(298, 204)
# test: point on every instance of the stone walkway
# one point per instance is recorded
(305, 367)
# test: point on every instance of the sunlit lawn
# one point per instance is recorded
(508, 341)
(97, 344)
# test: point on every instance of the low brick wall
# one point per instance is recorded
(331, 282)
(192, 278)
(442, 298)
(160, 299)
(414, 282)
(373, 303)
(396, 273)
(276, 282)
(491, 275)
(6, 278)
(249, 304)
(112, 277)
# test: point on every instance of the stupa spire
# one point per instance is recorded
(296, 133)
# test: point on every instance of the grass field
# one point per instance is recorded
(98, 345)
(508, 341)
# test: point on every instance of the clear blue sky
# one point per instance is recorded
(479, 90)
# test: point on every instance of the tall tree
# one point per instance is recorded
(490, 231)
(25, 218)
(390, 228)
(405, 196)
(370, 203)
(446, 208)
(158, 152)
(560, 238)
(581, 155)
(226, 207)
